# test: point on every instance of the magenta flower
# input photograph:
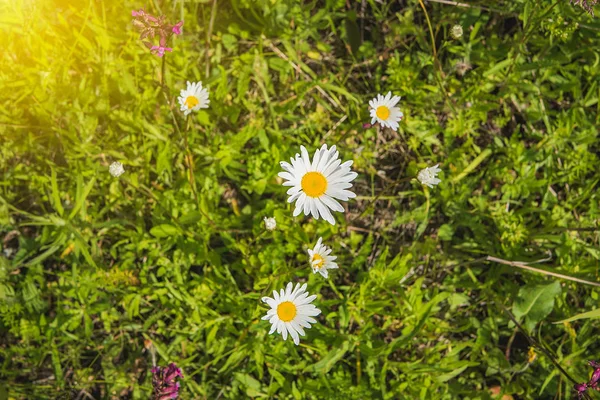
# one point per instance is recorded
(160, 50)
(163, 382)
(177, 28)
(581, 388)
(137, 13)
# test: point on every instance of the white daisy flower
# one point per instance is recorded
(428, 176)
(320, 259)
(316, 185)
(193, 98)
(384, 111)
(270, 223)
(116, 169)
(291, 311)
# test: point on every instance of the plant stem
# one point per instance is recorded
(162, 71)
(191, 174)
(436, 61)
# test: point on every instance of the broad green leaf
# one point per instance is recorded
(534, 303)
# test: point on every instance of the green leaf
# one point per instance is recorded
(329, 360)
(81, 198)
(446, 232)
(478, 160)
(534, 303)
(163, 230)
(56, 195)
(252, 385)
(589, 314)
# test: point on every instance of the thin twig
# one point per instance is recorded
(465, 5)
(520, 264)
(334, 127)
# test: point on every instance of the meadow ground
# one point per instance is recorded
(102, 276)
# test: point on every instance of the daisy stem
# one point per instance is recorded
(190, 164)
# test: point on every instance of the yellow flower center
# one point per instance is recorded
(319, 259)
(314, 184)
(286, 311)
(383, 112)
(191, 102)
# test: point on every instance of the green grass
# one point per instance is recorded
(98, 273)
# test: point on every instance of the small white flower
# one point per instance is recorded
(428, 176)
(291, 311)
(384, 111)
(270, 223)
(456, 31)
(316, 185)
(320, 259)
(116, 169)
(193, 98)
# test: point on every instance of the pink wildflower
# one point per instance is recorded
(177, 28)
(160, 50)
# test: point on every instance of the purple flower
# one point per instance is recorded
(137, 13)
(160, 50)
(163, 382)
(177, 28)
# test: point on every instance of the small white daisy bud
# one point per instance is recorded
(320, 259)
(428, 176)
(456, 31)
(270, 223)
(116, 169)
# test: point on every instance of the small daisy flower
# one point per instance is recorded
(270, 223)
(320, 259)
(193, 98)
(428, 176)
(116, 169)
(291, 311)
(456, 31)
(384, 111)
(316, 186)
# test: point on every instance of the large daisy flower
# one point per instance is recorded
(320, 259)
(316, 185)
(384, 111)
(291, 311)
(193, 98)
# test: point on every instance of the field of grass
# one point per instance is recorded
(103, 277)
